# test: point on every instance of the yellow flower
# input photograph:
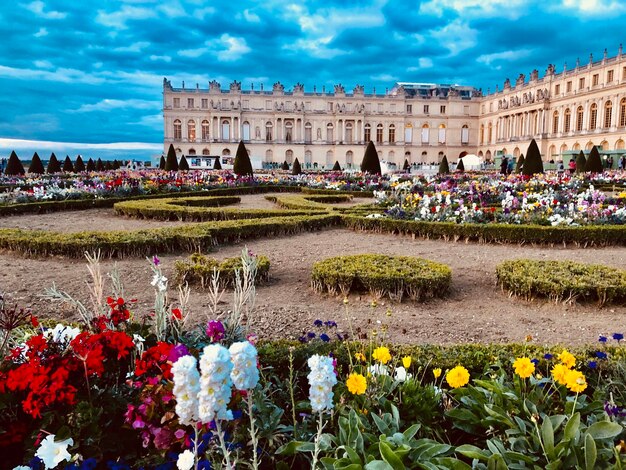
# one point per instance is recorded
(524, 367)
(437, 372)
(356, 384)
(575, 381)
(381, 355)
(559, 371)
(406, 362)
(567, 359)
(359, 357)
(457, 377)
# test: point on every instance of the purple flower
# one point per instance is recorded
(602, 339)
(302, 339)
(592, 364)
(601, 355)
(613, 410)
(548, 356)
(330, 324)
(177, 352)
(155, 260)
(318, 323)
(618, 336)
(324, 337)
(310, 335)
(215, 330)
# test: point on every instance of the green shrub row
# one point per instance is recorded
(199, 268)
(562, 280)
(186, 238)
(198, 209)
(381, 275)
(310, 202)
(592, 235)
(307, 190)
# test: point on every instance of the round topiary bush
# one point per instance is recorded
(382, 275)
(562, 281)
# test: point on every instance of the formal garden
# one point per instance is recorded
(179, 319)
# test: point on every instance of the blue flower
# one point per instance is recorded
(535, 361)
(602, 339)
(548, 356)
(318, 323)
(592, 364)
(324, 337)
(331, 324)
(237, 414)
(311, 335)
(204, 465)
(618, 336)
(601, 355)
(89, 464)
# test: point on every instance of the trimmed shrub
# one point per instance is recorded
(371, 163)
(242, 165)
(460, 166)
(108, 165)
(198, 269)
(406, 166)
(532, 163)
(79, 166)
(171, 162)
(36, 166)
(581, 162)
(217, 165)
(520, 164)
(309, 201)
(444, 168)
(99, 165)
(594, 162)
(68, 166)
(54, 166)
(562, 281)
(162, 163)
(285, 166)
(296, 170)
(381, 275)
(184, 164)
(336, 166)
(14, 165)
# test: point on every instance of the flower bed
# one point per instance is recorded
(200, 269)
(380, 275)
(562, 280)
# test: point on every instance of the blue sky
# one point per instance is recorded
(91, 72)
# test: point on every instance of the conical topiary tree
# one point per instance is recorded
(14, 165)
(444, 168)
(594, 162)
(285, 166)
(371, 163)
(183, 165)
(68, 166)
(520, 164)
(532, 163)
(217, 165)
(406, 166)
(91, 166)
(242, 165)
(581, 162)
(108, 165)
(460, 166)
(99, 165)
(79, 165)
(336, 166)
(162, 163)
(171, 162)
(36, 166)
(54, 166)
(296, 169)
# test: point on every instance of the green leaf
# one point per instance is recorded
(412, 431)
(604, 430)
(571, 428)
(378, 465)
(547, 435)
(591, 454)
(496, 462)
(472, 452)
(390, 457)
(295, 446)
(381, 425)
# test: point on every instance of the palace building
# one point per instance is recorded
(563, 111)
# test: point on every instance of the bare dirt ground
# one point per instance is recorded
(474, 311)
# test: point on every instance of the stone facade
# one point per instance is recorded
(565, 112)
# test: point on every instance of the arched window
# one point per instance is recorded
(349, 128)
(441, 138)
(289, 156)
(555, 122)
(622, 113)
(604, 145)
(465, 134)
(608, 111)
(489, 133)
(245, 131)
(268, 131)
(392, 134)
(329, 133)
(269, 156)
(482, 134)
(288, 132)
(379, 134)
(576, 146)
(205, 130)
(552, 151)
(205, 151)
(589, 146)
(225, 130)
(225, 152)
(178, 129)
(408, 133)
(308, 157)
(619, 145)
(191, 152)
(367, 133)
(391, 157)
(579, 119)
(568, 120)
(425, 134)
(349, 158)
(563, 149)
(593, 117)
(330, 158)
(308, 133)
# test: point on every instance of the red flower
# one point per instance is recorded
(176, 313)
(34, 321)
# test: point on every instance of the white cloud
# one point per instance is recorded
(41, 33)
(425, 62)
(193, 53)
(109, 104)
(595, 7)
(234, 48)
(384, 77)
(154, 121)
(456, 36)
(37, 8)
(164, 58)
(64, 75)
(251, 17)
(134, 47)
(200, 13)
(476, 8)
(488, 59)
(117, 19)
(315, 47)
(43, 64)
(18, 144)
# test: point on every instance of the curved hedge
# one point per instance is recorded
(309, 201)
(198, 269)
(381, 275)
(562, 280)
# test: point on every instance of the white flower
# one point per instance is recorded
(22, 467)
(159, 281)
(185, 460)
(62, 334)
(401, 374)
(378, 369)
(245, 374)
(215, 384)
(53, 453)
(322, 378)
(186, 389)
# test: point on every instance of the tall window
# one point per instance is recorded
(581, 83)
(367, 135)
(482, 134)
(349, 158)
(425, 134)
(308, 133)
(465, 134)
(408, 133)
(442, 134)
(609, 76)
(392, 134)
(288, 131)
(225, 130)
(595, 79)
(268, 131)
(349, 128)
(191, 130)
(205, 103)
(568, 119)
(622, 113)
(190, 103)
(442, 109)
(608, 111)
(379, 134)
(289, 156)
(579, 119)
(409, 109)
(555, 122)
(593, 117)
(178, 129)
(245, 131)
(177, 102)
(205, 130)
(329, 133)
(489, 133)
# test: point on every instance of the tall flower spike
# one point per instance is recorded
(186, 389)
(215, 384)
(245, 374)
(322, 378)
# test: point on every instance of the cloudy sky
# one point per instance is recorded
(92, 72)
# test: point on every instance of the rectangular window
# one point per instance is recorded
(569, 86)
(393, 107)
(381, 107)
(595, 79)
(330, 106)
(268, 105)
(409, 109)
(368, 133)
(190, 104)
(307, 106)
(609, 76)
(442, 109)
(379, 134)
(408, 135)
(557, 89)
(581, 83)
(465, 135)
(205, 103)
(177, 102)
(426, 109)
(466, 110)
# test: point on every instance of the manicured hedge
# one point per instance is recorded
(562, 280)
(186, 238)
(198, 269)
(381, 275)
(590, 235)
(309, 201)
(307, 190)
